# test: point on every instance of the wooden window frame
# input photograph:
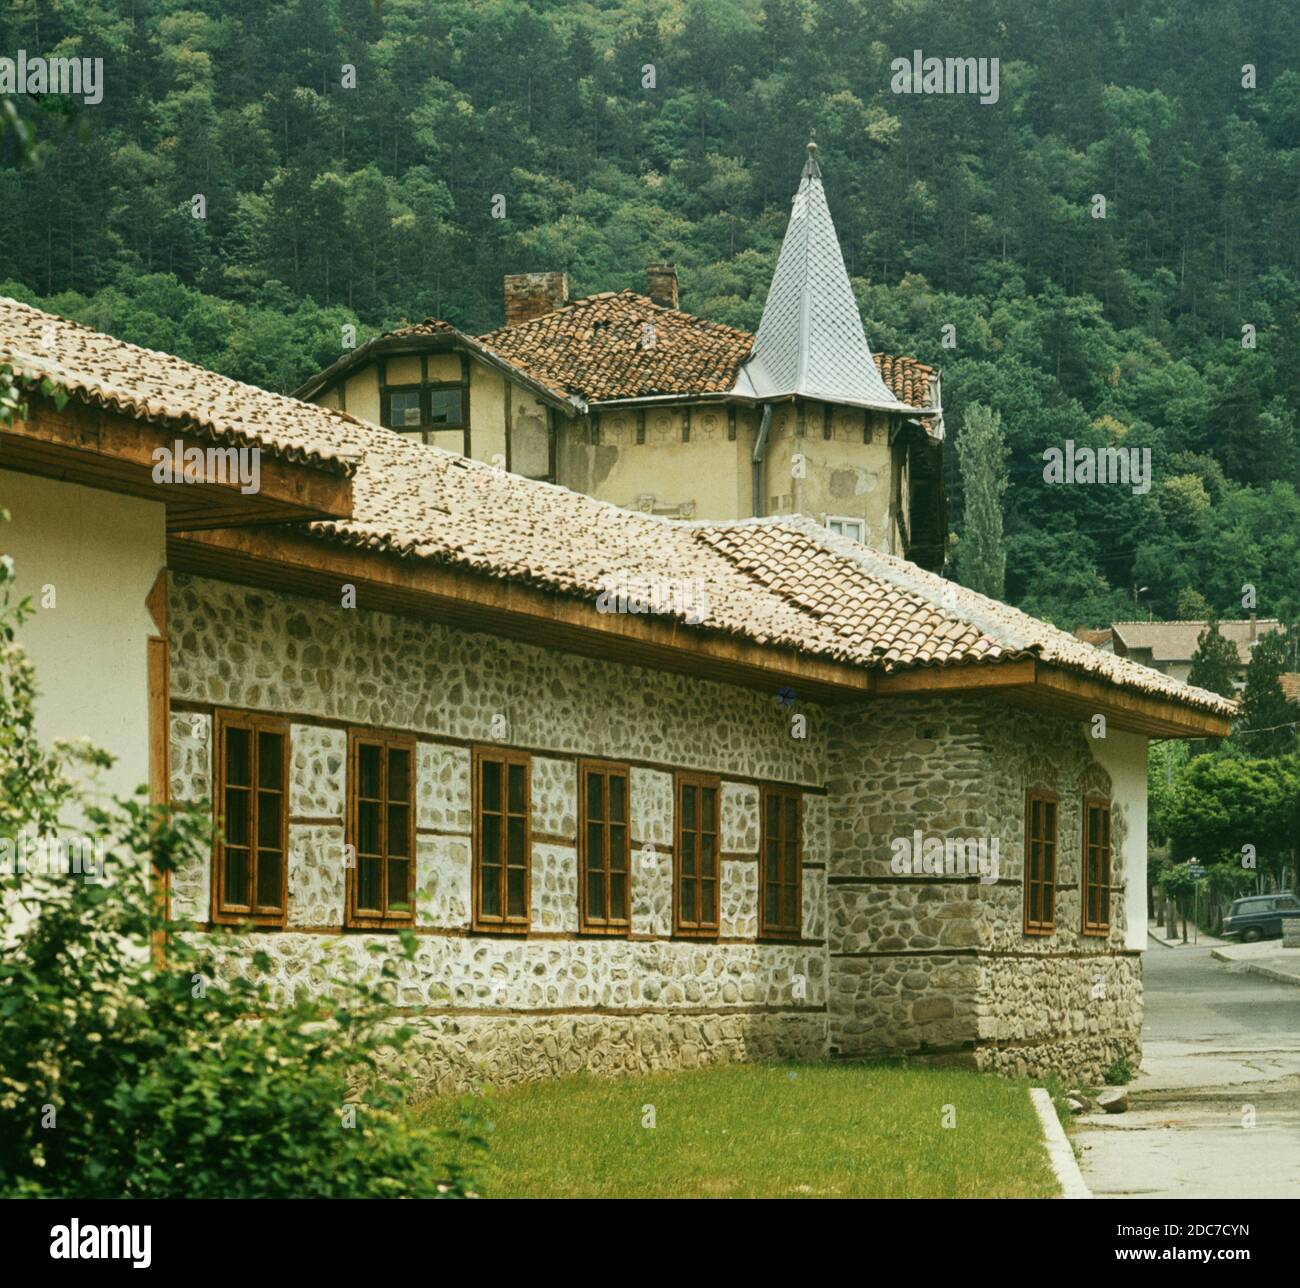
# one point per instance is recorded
(368, 918)
(1096, 929)
(1045, 927)
(222, 911)
(504, 924)
(682, 926)
(769, 930)
(588, 924)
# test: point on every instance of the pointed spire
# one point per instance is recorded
(810, 342)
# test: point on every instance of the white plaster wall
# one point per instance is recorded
(101, 553)
(1124, 756)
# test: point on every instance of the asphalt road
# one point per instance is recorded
(1215, 1112)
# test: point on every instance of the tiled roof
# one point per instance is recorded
(595, 348)
(163, 389)
(810, 341)
(1176, 641)
(787, 582)
(624, 345)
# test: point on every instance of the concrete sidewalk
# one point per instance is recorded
(1267, 958)
(1195, 938)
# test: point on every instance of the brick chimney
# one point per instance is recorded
(663, 284)
(529, 295)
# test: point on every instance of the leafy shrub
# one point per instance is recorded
(1120, 1074)
(129, 1072)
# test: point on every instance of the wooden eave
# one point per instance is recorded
(85, 444)
(299, 563)
(1040, 686)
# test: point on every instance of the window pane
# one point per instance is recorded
(516, 855)
(270, 760)
(618, 897)
(617, 847)
(516, 773)
(773, 814)
(688, 898)
(368, 879)
(238, 757)
(595, 803)
(490, 892)
(491, 840)
(399, 774)
(399, 875)
(772, 862)
(399, 817)
(707, 911)
(236, 819)
(709, 809)
(706, 855)
(445, 407)
(368, 827)
(368, 770)
(688, 854)
(491, 785)
(595, 838)
(596, 895)
(404, 409)
(268, 878)
(268, 819)
(688, 806)
(618, 798)
(237, 876)
(515, 891)
(791, 817)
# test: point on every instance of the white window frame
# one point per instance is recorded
(845, 521)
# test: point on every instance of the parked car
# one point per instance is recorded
(1259, 915)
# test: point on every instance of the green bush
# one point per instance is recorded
(128, 1072)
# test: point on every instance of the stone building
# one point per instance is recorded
(648, 793)
(625, 397)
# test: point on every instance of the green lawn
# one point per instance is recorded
(817, 1130)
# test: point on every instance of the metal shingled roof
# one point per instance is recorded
(810, 342)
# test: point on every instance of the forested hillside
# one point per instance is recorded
(326, 204)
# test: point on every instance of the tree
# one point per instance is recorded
(1266, 725)
(982, 453)
(1215, 662)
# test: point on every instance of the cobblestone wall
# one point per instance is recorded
(646, 1001)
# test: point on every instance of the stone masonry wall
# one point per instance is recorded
(940, 966)
(508, 1008)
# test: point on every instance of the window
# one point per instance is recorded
(780, 876)
(252, 815)
(854, 529)
(381, 828)
(424, 408)
(1096, 867)
(696, 871)
(604, 861)
(1040, 863)
(502, 839)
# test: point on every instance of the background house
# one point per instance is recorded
(626, 398)
(1168, 647)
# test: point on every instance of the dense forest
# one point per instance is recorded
(621, 132)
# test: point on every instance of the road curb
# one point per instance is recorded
(1268, 972)
(1059, 1153)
